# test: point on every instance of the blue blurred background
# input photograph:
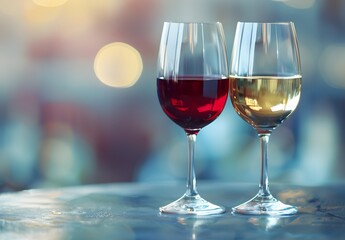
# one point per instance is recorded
(60, 125)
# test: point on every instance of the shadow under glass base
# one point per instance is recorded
(192, 205)
(264, 205)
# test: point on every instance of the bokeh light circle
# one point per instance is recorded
(118, 65)
(49, 3)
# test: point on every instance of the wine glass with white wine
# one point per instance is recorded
(265, 88)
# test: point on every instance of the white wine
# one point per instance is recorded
(265, 101)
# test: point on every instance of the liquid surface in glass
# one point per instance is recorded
(192, 102)
(265, 101)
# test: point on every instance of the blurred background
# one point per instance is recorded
(78, 101)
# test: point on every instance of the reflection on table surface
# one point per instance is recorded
(130, 211)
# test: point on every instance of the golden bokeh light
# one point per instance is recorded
(69, 22)
(118, 65)
(50, 3)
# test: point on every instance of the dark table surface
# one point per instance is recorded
(130, 211)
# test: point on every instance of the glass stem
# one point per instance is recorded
(264, 189)
(191, 178)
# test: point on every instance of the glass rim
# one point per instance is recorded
(271, 23)
(193, 22)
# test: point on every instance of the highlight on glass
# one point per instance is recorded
(265, 88)
(192, 88)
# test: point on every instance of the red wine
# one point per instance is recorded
(193, 102)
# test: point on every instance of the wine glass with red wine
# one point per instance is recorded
(265, 88)
(192, 88)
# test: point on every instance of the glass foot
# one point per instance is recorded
(264, 205)
(194, 205)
